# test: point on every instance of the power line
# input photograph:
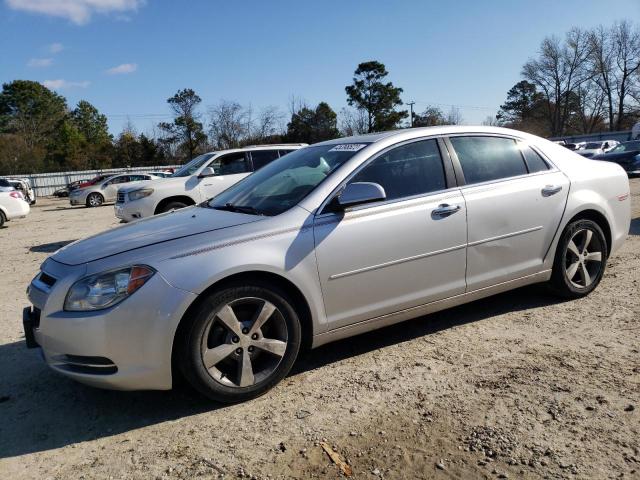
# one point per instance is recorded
(468, 107)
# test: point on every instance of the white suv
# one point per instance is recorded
(203, 177)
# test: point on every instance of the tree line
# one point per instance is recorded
(39, 132)
(587, 81)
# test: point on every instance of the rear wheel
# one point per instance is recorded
(241, 342)
(2, 219)
(580, 259)
(94, 200)
(172, 206)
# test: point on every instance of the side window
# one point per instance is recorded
(136, 178)
(230, 164)
(260, 158)
(488, 158)
(535, 163)
(284, 152)
(412, 169)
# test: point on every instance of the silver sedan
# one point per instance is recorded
(106, 190)
(332, 240)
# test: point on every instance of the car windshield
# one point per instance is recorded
(592, 146)
(191, 167)
(285, 182)
(4, 183)
(626, 147)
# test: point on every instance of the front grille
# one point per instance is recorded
(120, 197)
(48, 280)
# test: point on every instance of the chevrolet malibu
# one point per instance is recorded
(332, 240)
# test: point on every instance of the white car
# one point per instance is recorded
(23, 186)
(202, 178)
(589, 149)
(12, 205)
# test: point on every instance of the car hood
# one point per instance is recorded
(155, 183)
(150, 231)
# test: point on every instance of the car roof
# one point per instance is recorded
(423, 131)
(248, 148)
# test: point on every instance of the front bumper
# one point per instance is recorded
(77, 200)
(133, 210)
(126, 347)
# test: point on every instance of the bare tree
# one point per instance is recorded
(228, 124)
(559, 69)
(615, 63)
(491, 121)
(270, 122)
(353, 122)
(454, 117)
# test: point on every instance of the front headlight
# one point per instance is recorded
(106, 289)
(138, 194)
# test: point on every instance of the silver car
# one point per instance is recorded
(332, 240)
(106, 190)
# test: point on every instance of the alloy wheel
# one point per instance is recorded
(95, 200)
(244, 342)
(583, 258)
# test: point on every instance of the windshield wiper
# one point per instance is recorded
(230, 207)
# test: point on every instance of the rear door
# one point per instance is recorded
(515, 200)
(260, 158)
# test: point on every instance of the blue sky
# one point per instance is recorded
(127, 56)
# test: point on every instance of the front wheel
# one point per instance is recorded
(172, 206)
(240, 343)
(94, 200)
(581, 258)
(2, 219)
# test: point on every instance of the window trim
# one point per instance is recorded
(447, 166)
(457, 166)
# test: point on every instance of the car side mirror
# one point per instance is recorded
(207, 172)
(359, 193)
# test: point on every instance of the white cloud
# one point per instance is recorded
(78, 11)
(55, 47)
(40, 62)
(123, 69)
(61, 84)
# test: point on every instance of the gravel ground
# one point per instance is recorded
(518, 385)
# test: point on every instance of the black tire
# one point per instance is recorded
(172, 206)
(577, 286)
(94, 200)
(2, 219)
(205, 324)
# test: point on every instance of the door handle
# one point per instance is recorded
(445, 210)
(549, 190)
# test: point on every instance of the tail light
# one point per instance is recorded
(16, 195)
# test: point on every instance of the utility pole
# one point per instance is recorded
(411, 104)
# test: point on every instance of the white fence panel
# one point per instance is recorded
(45, 184)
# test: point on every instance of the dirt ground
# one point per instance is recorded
(520, 385)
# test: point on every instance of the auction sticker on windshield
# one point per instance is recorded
(348, 147)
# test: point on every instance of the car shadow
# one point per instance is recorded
(49, 247)
(42, 410)
(635, 227)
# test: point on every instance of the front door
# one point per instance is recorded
(229, 169)
(405, 251)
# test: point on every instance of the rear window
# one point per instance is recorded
(535, 163)
(488, 158)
